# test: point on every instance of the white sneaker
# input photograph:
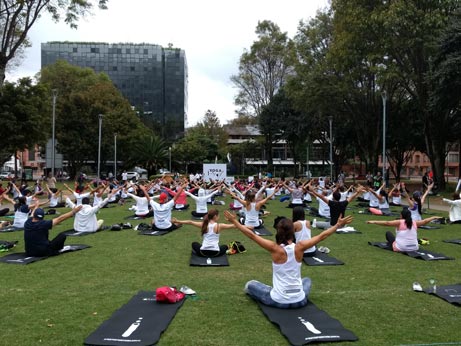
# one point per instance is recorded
(417, 287)
(187, 290)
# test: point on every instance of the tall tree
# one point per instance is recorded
(82, 96)
(262, 72)
(413, 31)
(24, 111)
(18, 17)
(149, 152)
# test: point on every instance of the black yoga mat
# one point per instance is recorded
(74, 233)
(262, 231)
(453, 241)
(450, 293)
(307, 325)
(21, 258)
(11, 229)
(139, 322)
(321, 259)
(198, 261)
(152, 232)
(420, 254)
(429, 227)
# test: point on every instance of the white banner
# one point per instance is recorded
(214, 171)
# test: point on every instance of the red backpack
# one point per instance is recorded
(167, 294)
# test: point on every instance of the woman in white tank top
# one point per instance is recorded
(251, 207)
(289, 289)
(406, 237)
(302, 229)
(210, 234)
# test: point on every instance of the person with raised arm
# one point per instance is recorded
(210, 231)
(406, 235)
(289, 289)
(251, 208)
(36, 232)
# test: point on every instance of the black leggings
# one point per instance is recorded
(209, 253)
(195, 214)
(390, 237)
(4, 211)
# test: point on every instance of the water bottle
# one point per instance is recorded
(314, 223)
(434, 285)
(208, 260)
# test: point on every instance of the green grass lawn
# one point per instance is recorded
(61, 300)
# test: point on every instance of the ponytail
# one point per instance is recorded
(406, 215)
(206, 220)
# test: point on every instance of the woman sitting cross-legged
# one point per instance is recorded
(210, 232)
(289, 289)
(406, 236)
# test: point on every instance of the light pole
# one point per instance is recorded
(99, 147)
(307, 159)
(53, 138)
(330, 120)
(169, 157)
(115, 155)
(384, 97)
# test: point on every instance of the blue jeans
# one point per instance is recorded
(262, 293)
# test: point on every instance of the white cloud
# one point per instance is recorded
(213, 34)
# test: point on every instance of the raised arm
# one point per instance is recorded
(358, 191)
(263, 201)
(429, 189)
(306, 244)
(187, 222)
(426, 221)
(67, 215)
(394, 223)
(313, 192)
(68, 188)
(264, 243)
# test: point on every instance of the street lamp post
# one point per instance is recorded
(169, 157)
(53, 135)
(384, 97)
(115, 155)
(99, 147)
(330, 120)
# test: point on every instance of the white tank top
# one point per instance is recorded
(210, 239)
(415, 215)
(286, 279)
(406, 239)
(304, 234)
(54, 200)
(252, 216)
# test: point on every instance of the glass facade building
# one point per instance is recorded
(154, 79)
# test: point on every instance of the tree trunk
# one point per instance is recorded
(2, 73)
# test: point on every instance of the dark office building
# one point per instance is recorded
(154, 79)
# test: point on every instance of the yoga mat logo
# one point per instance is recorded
(132, 328)
(309, 326)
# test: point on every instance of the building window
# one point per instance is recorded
(119, 50)
(146, 51)
(75, 50)
(114, 68)
(131, 68)
(32, 155)
(128, 51)
(94, 50)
